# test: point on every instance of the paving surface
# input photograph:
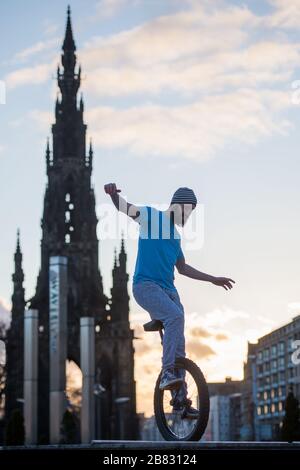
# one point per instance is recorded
(167, 445)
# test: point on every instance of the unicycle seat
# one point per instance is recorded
(153, 325)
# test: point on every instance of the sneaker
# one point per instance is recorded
(184, 408)
(178, 406)
(189, 412)
(169, 380)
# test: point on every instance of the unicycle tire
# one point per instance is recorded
(203, 395)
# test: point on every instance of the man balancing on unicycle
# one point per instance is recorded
(159, 250)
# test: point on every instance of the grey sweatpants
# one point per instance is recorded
(164, 304)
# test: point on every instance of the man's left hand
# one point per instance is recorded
(225, 282)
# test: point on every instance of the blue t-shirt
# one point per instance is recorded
(159, 247)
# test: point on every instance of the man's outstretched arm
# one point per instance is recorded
(120, 203)
(189, 271)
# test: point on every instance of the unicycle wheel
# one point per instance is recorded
(169, 406)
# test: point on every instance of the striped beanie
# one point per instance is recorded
(184, 196)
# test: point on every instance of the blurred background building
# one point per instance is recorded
(269, 375)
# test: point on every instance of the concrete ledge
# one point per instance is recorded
(164, 445)
(187, 445)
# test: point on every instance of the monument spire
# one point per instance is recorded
(14, 350)
(18, 276)
(69, 80)
(69, 43)
(119, 291)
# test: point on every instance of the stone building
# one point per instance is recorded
(68, 226)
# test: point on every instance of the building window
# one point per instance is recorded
(274, 364)
(274, 350)
(69, 217)
(281, 362)
(290, 343)
(273, 393)
(266, 354)
(275, 378)
(281, 347)
(273, 408)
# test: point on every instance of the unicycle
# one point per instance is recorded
(169, 408)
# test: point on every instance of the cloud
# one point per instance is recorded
(200, 332)
(223, 90)
(220, 317)
(198, 349)
(5, 309)
(170, 37)
(141, 347)
(230, 332)
(30, 75)
(189, 51)
(286, 14)
(49, 27)
(195, 131)
(37, 48)
(41, 119)
(108, 8)
(197, 80)
(175, 51)
(294, 308)
(264, 64)
(221, 337)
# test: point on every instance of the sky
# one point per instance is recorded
(203, 94)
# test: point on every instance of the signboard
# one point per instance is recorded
(57, 342)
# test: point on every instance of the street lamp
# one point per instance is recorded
(119, 402)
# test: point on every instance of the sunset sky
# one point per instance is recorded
(192, 93)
